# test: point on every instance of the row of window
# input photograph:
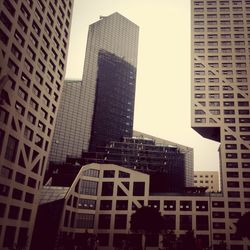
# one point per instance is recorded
(223, 58)
(106, 173)
(235, 164)
(16, 194)
(104, 221)
(226, 120)
(28, 133)
(221, 9)
(90, 188)
(7, 173)
(226, 16)
(225, 96)
(11, 154)
(233, 23)
(10, 232)
(14, 212)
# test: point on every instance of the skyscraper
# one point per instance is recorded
(105, 99)
(220, 97)
(34, 37)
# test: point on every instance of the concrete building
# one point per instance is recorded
(34, 37)
(105, 98)
(220, 98)
(208, 179)
(102, 198)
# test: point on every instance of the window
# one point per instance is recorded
(6, 172)
(218, 214)
(9, 236)
(233, 174)
(201, 206)
(17, 194)
(120, 221)
(88, 187)
(185, 222)
(25, 11)
(85, 220)
(139, 189)
(16, 52)
(13, 212)
(11, 149)
(5, 20)
(104, 221)
(219, 225)
(121, 205)
(107, 188)
(185, 205)
(106, 205)
(29, 197)
(233, 194)
(202, 222)
(234, 204)
(20, 178)
(2, 209)
(108, 173)
(4, 190)
(38, 15)
(86, 204)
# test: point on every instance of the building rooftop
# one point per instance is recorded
(52, 193)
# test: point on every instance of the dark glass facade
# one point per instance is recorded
(114, 102)
(165, 164)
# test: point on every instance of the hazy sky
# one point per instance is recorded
(162, 104)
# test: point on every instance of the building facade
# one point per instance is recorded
(115, 39)
(188, 153)
(164, 163)
(208, 179)
(101, 198)
(68, 136)
(34, 37)
(107, 92)
(220, 97)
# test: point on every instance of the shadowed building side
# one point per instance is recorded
(114, 101)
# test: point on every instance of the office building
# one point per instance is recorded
(68, 136)
(208, 179)
(34, 37)
(188, 153)
(220, 99)
(101, 200)
(107, 91)
(164, 163)
(170, 165)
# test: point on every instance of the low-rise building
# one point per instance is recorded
(209, 179)
(101, 199)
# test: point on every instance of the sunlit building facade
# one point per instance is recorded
(220, 100)
(208, 179)
(34, 38)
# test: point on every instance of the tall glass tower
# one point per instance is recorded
(220, 100)
(105, 101)
(109, 79)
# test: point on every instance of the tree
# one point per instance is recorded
(242, 225)
(146, 220)
(169, 240)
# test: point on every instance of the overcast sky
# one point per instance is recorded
(162, 103)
